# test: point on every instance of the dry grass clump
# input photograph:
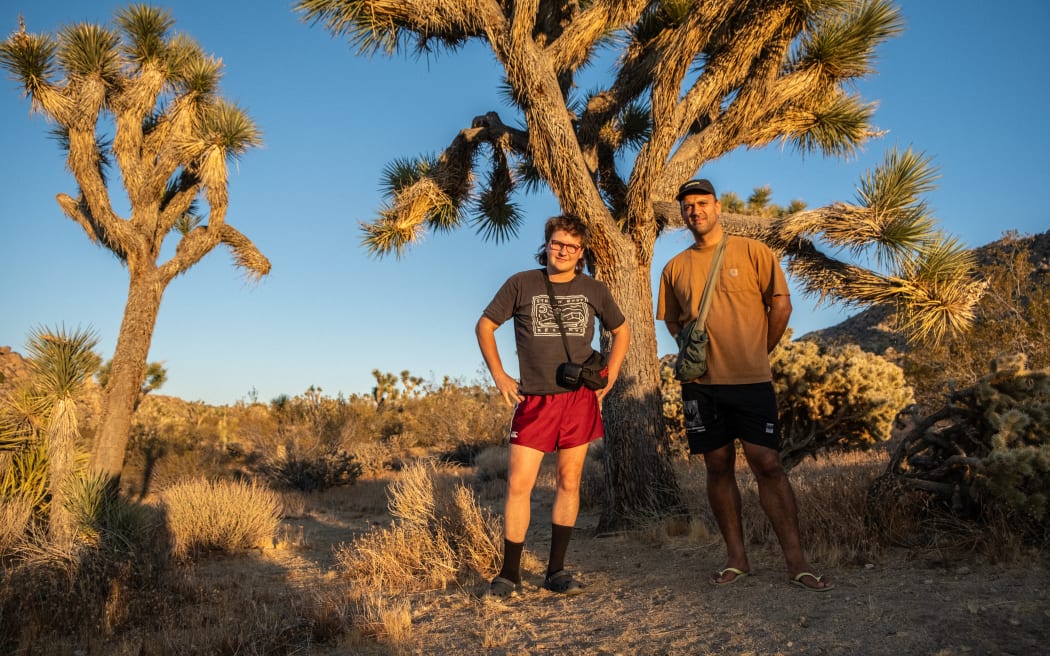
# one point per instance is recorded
(848, 515)
(832, 496)
(15, 513)
(904, 516)
(593, 492)
(491, 467)
(220, 516)
(382, 618)
(439, 535)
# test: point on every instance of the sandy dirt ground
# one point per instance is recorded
(647, 596)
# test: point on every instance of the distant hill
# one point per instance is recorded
(872, 329)
(12, 366)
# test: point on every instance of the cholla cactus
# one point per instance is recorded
(988, 447)
(836, 397)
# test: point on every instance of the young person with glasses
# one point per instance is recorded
(548, 417)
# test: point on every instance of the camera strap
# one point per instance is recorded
(557, 314)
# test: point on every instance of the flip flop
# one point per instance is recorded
(797, 580)
(737, 575)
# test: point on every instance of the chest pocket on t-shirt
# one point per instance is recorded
(733, 279)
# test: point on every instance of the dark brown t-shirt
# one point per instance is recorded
(524, 298)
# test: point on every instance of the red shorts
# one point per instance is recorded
(547, 422)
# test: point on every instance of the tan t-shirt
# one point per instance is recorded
(737, 322)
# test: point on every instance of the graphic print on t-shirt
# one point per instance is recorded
(573, 315)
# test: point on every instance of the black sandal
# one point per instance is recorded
(502, 588)
(562, 583)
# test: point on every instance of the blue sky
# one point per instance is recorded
(967, 85)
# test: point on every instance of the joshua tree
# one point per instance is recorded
(173, 136)
(693, 82)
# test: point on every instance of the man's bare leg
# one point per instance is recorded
(778, 501)
(724, 496)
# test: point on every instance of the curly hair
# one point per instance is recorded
(572, 225)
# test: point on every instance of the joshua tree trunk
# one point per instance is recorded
(639, 479)
(127, 373)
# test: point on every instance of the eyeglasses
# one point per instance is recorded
(570, 249)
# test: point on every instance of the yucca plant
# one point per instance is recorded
(61, 362)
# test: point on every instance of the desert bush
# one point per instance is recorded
(222, 516)
(327, 470)
(444, 417)
(830, 398)
(986, 453)
(492, 464)
(439, 534)
(834, 398)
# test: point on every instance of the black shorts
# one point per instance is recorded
(715, 415)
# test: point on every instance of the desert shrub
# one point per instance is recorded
(491, 464)
(450, 416)
(834, 398)
(440, 534)
(327, 470)
(830, 398)
(311, 420)
(222, 516)
(1012, 316)
(986, 453)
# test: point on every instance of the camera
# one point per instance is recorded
(569, 375)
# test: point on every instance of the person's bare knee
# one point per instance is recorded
(764, 462)
(720, 463)
(569, 485)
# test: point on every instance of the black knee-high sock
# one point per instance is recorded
(512, 560)
(560, 536)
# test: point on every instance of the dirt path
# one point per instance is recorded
(646, 598)
(642, 600)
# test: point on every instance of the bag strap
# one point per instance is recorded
(557, 315)
(705, 300)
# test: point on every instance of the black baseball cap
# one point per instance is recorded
(700, 186)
